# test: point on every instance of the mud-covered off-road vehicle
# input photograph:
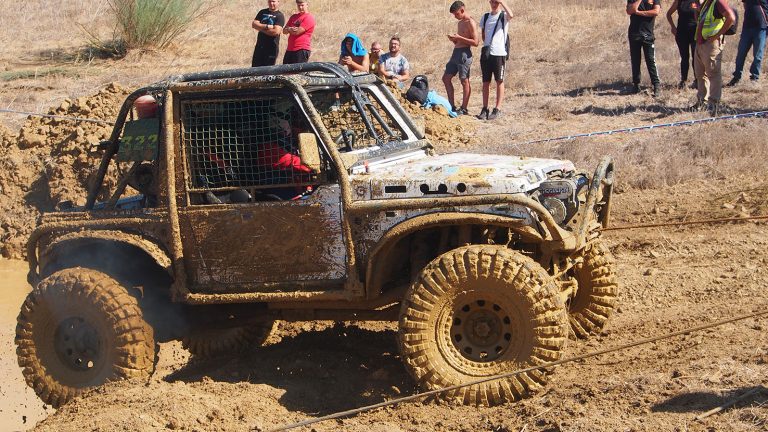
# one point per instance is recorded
(302, 192)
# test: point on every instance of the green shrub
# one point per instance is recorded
(146, 24)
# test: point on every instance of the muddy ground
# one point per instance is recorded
(671, 278)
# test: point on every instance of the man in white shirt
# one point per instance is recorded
(493, 57)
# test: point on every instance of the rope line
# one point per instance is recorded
(518, 372)
(58, 117)
(698, 222)
(649, 127)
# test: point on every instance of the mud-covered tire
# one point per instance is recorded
(479, 311)
(215, 342)
(80, 328)
(597, 292)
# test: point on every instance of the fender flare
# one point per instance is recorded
(79, 238)
(432, 220)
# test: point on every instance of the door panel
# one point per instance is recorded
(264, 246)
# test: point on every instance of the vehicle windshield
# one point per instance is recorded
(342, 119)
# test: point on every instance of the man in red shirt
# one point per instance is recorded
(299, 29)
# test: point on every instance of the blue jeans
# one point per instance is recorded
(754, 38)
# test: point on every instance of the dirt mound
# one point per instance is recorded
(445, 133)
(50, 161)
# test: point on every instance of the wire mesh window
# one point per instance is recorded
(243, 143)
(345, 124)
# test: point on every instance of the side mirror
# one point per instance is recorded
(309, 152)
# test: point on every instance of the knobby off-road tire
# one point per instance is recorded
(215, 342)
(478, 311)
(597, 292)
(80, 328)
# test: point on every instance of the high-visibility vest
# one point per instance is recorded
(708, 24)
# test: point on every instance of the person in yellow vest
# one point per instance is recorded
(715, 18)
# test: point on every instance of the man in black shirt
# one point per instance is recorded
(269, 23)
(642, 15)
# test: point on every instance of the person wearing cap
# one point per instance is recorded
(299, 29)
(353, 55)
(269, 25)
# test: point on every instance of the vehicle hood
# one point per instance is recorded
(455, 174)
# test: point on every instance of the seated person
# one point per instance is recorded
(374, 58)
(353, 55)
(393, 65)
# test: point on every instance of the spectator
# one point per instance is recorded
(753, 34)
(461, 57)
(642, 15)
(353, 55)
(685, 34)
(393, 65)
(715, 18)
(494, 26)
(299, 29)
(374, 57)
(269, 25)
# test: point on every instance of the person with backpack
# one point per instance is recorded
(715, 18)
(494, 26)
(642, 16)
(685, 34)
(753, 34)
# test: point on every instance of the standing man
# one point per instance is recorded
(461, 57)
(715, 18)
(753, 34)
(299, 29)
(393, 65)
(493, 57)
(269, 24)
(375, 56)
(642, 16)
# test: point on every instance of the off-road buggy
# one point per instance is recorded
(302, 192)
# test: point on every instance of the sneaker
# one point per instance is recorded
(462, 111)
(682, 84)
(494, 114)
(635, 88)
(694, 84)
(657, 90)
(754, 78)
(714, 109)
(733, 82)
(483, 114)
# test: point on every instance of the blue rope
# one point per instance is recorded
(649, 127)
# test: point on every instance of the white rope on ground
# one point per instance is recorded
(754, 114)
(518, 372)
(58, 117)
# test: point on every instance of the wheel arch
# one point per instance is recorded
(125, 256)
(385, 254)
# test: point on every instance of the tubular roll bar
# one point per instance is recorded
(361, 102)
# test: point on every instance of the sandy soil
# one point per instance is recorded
(671, 279)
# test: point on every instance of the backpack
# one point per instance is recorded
(501, 20)
(418, 90)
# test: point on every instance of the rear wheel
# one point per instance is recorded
(597, 292)
(211, 343)
(80, 328)
(479, 311)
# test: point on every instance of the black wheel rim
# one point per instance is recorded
(77, 344)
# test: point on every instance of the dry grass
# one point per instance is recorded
(568, 70)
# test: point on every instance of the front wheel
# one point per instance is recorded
(479, 311)
(597, 292)
(80, 328)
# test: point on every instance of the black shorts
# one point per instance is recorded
(493, 65)
(264, 56)
(300, 56)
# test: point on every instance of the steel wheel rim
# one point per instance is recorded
(78, 344)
